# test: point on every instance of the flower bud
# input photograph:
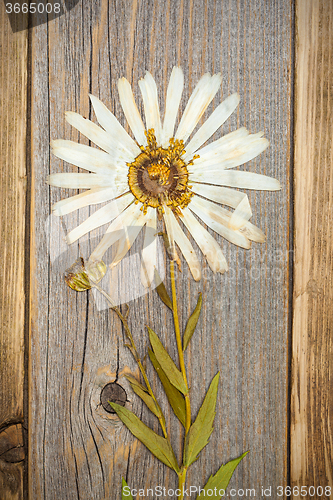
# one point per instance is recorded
(81, 278)
(96, 271)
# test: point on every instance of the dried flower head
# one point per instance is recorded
(157, 175)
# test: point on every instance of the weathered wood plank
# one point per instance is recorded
(13, 110)
(76, 449)
(311, 406)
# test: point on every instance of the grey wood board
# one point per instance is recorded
(76, 449)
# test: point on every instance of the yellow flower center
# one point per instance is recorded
(159, 176)
(159, 173)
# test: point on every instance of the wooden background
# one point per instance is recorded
(265, 325)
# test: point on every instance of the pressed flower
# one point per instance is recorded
(162, 174)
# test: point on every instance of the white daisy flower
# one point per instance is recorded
(163, 174)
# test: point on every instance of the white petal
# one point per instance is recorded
(150, 101)
(128, 237)
(239, 201)
(86, 157)
(100, 217)
(245, 154)
(110, 123)
(90, 197)
(241, 215)
(228, 141)
(86, 181)
(116, 231)
(186, 248)
(149, 251)
(238, 179)
(174, 94)
(234, 155)
(202, 95)
(205, 241)
(220, 194)
(253, 233)
(169, 228)
(214, 122)
(229, 197)
(98, 136)
(131, 111)
(217, 219)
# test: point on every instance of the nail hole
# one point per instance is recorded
(115, 393)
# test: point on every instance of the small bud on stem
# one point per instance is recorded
(80, 277)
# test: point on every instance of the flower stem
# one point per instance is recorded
(181, 483)
(179, 346)
(135, 354)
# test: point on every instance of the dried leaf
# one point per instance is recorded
(147, 399)
(192, 323)
(175, 398)
(220, 480)
(202, 427)
(133, 380)
(168, 366)
(162, 292)
(141, 391)
(125, 489)
(158, 445)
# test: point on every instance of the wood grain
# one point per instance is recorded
(76, 449)
(13, 109)
(311, 405)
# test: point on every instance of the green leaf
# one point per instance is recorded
(221, 479)
(192, 323)
(201, 429)
(175, 398)
(128, 495)
(134, 381)
(168, 366)
(140, 391)
(158, 445)
(162, 292)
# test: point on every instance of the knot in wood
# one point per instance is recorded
(113, 393)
